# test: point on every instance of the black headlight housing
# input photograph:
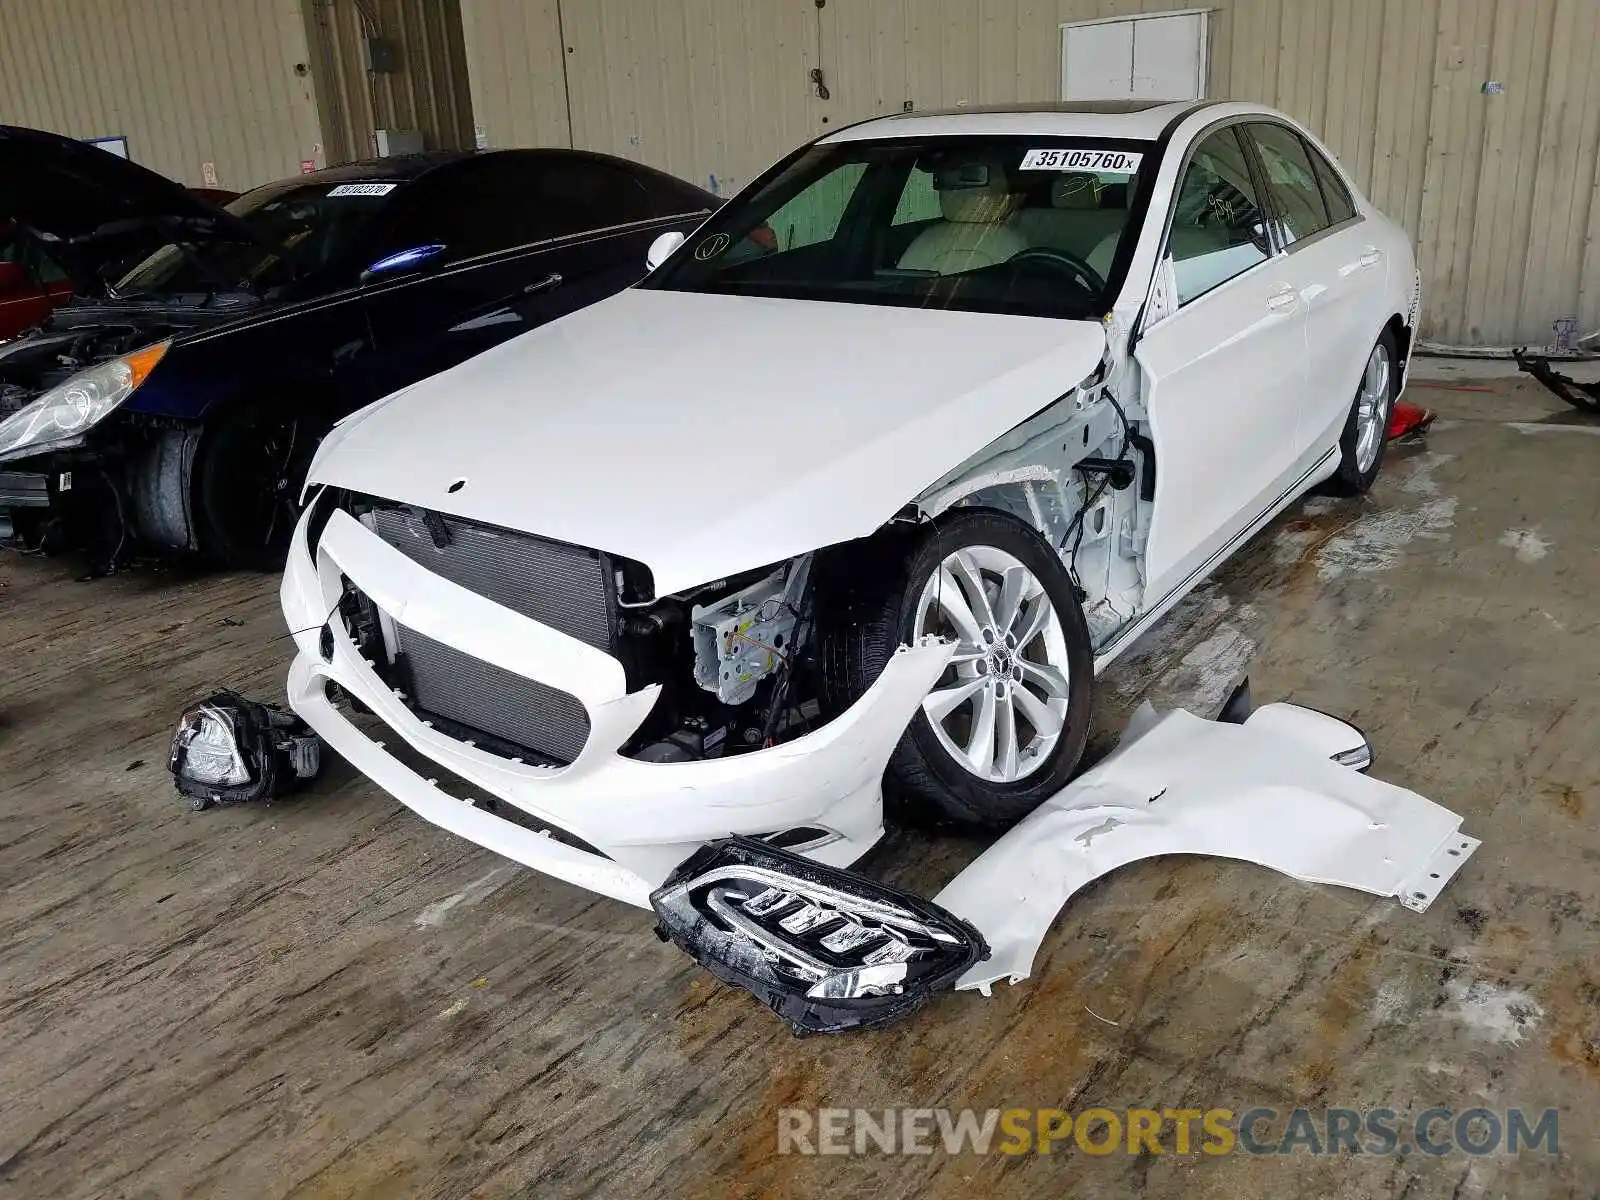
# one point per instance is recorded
(231, 750)
(825, 949)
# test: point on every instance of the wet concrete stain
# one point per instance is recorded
(1473, 918)
(1575, 1036)
(1529, 545)
(1566, 798)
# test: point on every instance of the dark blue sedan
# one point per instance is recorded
(176, 402)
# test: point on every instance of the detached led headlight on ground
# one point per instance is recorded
(228, 748)
(827, 950)
(67, 410)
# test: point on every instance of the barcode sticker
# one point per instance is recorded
(1110, 162)
(363, 189)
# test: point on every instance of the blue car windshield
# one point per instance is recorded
(1024, 225)
(299, 227)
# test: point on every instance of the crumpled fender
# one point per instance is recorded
(1184, 785)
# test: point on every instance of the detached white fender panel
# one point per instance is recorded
(1191, 786)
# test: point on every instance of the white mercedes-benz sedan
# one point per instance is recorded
(854, 494)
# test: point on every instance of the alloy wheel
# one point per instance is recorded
(1001, 705)
(1372, 409)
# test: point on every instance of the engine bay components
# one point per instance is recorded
(231, 750)
(742, 638)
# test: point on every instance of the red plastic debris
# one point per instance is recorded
(1408, 418)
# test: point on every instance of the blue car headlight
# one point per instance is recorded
(67, 410)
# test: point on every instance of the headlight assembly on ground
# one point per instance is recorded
(228, 748)
(69, 409)
(826, 950)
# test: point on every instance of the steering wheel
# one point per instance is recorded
(1066, 261)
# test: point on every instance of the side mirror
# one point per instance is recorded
(661, 249)
(14, 279)
(405, 260)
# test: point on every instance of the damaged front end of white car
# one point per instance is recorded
(847, 502)
(830, 950)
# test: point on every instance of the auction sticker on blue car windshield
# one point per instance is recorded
(1108, 162)
(363, 189)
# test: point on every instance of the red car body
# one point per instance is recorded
(27, 293)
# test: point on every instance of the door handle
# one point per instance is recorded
(1371, 256)
(1284, 300)
(543, 285)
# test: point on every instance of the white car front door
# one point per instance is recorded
(1224, 372)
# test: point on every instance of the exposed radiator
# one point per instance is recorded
(557, 585)
(483, 697)
(564, 587)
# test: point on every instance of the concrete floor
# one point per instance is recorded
(328, 997)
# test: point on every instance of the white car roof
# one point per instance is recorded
(1142, 120)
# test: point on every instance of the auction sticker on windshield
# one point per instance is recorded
(1111, 162)
(363, 189)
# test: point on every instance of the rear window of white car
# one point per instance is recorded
(1030, 226)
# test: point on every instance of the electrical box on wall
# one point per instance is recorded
(397, 141)
(383, 56)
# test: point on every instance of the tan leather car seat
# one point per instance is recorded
(1074, 222)
(974, 233)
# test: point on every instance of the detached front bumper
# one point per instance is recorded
(641, 819)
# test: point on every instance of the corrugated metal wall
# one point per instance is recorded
(255, 87)
(427, 92)
(186, 83)
(1502, 190)
(519, 95)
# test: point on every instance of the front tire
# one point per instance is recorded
(247, 476)
(1004, 727)
(1366, 430)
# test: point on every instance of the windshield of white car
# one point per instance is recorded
(300, 227)
(1027, 226)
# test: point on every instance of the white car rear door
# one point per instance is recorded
(1224, 371)
(1338, 269)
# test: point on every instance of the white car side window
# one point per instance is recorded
(1218, 230)
(1302, 211)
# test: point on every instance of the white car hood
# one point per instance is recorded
(703, 435)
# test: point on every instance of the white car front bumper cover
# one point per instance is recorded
(643, 818)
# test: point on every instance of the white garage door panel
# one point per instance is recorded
(1167, 57)
(1097, 61)
(1141, 58)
